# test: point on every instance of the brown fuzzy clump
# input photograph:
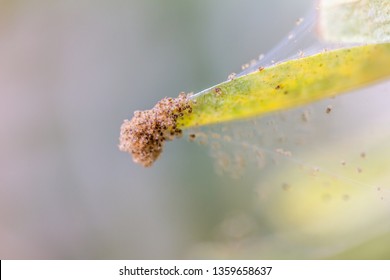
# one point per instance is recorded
(145, 134)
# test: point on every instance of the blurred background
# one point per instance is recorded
(71, 71)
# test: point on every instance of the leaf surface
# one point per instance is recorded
(290, 84)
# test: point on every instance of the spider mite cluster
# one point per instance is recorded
(145, 134)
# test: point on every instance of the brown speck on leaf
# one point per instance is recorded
(218, 91)
(359, 170)
(192, 137)
(145, 134)
(278, 87)
(261, 69)
(363, 155)
(329, 109)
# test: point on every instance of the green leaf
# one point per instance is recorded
(289, 84)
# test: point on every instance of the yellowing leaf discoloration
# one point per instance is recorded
(290, 84)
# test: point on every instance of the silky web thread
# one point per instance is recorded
(301, 41)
